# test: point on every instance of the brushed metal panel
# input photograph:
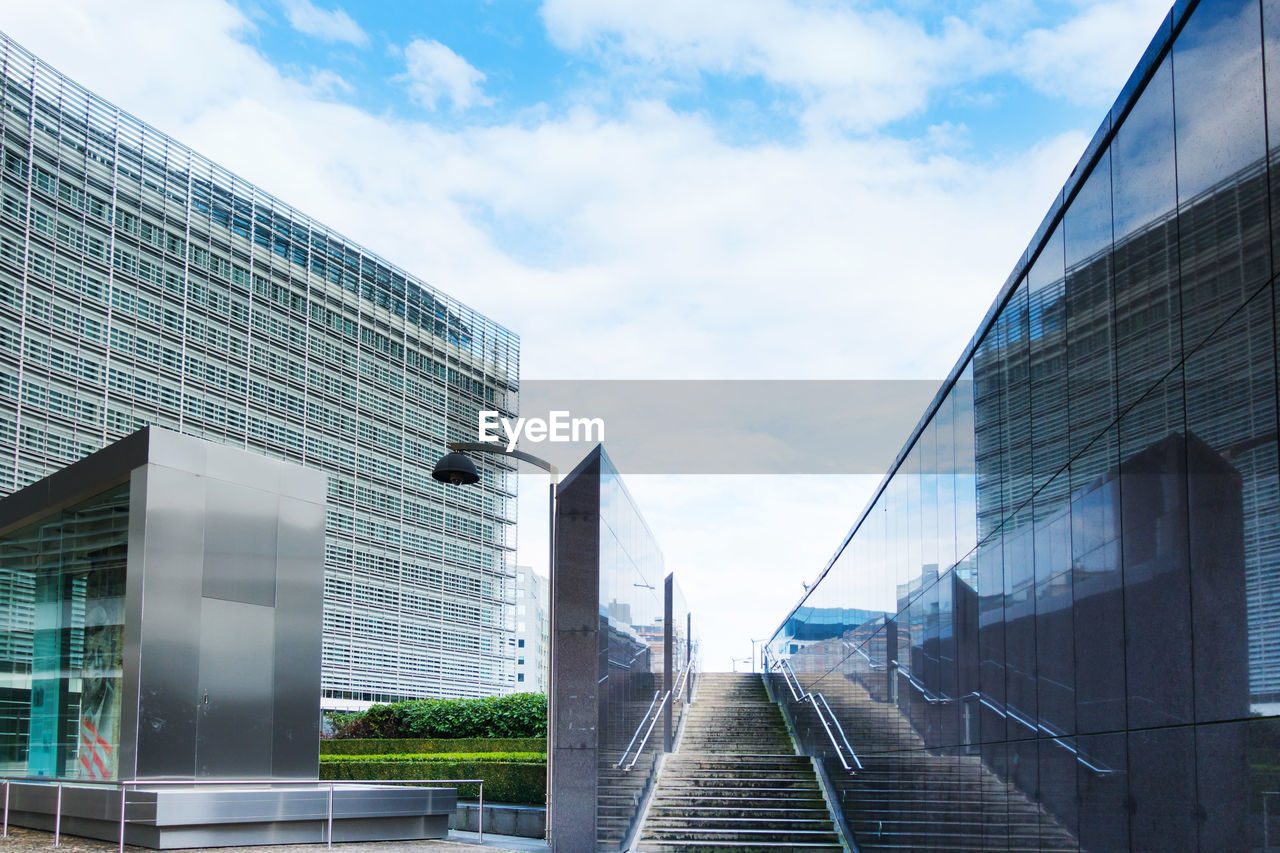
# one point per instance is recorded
(239, 543)
(172, 818)
(175, 450)
(170, 660)
(298, 637)
(240, 466)
(237, 650)
(305, 484)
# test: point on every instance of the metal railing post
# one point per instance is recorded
(57, 819)
(480, 822)
(123, 790)
(6, 809)
(328, 835)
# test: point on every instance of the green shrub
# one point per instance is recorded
(414, 746)
(518, 779)
(439, 756)
(520, 715)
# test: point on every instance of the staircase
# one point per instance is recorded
(734, 781)
(908, 797)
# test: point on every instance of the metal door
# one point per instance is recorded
(233, 729)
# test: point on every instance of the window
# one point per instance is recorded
(520, 676)
(520, 643)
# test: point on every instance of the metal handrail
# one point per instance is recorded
(928, 695)
(632, 742)
(840, 729)
(652, 722)
(874, 664)
(125, 785)
(651, 716)
(797, 690)
(813, 699)
(814, 702)
(683, 678)
(795, 678)
(1010, 713)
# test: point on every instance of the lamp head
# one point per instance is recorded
(456, 470)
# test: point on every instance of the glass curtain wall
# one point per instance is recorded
(1058, 615)
(62, 643)
(632, 636)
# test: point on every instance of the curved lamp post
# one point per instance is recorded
(456, 469)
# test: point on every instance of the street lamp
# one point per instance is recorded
(456, 469)
(753, 652)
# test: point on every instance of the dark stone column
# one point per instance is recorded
(575, 639)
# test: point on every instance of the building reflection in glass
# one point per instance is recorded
(1056, 625)
(612, 720)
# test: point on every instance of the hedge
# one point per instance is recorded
(520, 715)
(417, 746)
(520, 779)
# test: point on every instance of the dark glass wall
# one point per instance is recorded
(1055, 627)
(621, 641)
(632, 654)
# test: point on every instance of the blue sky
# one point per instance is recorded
(530, 72)
(653, 189)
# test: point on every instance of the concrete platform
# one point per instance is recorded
(178, 817)
(501, 819)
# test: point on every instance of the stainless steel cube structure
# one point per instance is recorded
(215, 669)
(164, 599)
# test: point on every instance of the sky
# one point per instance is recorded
(666, 189)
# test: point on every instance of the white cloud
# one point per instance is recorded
(335, 26)
(639, 245)
(433, 71)
(1086, 59)
(324, 81)
(861, 67)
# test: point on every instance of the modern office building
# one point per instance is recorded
(1059, 611)
(533, 631)
(142, 284)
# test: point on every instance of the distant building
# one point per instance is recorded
(533, 631)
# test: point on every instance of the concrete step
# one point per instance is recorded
(737, 846)
(750, 799)
(660, 812)
(756, 836)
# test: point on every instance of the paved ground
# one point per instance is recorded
(22, 840)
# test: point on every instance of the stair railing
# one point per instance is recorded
(925, 693)
(1057, 737)
(871, 662)
(632, 742)
(652, 716)
(800, 695)
(653, 721)
(836, 722)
